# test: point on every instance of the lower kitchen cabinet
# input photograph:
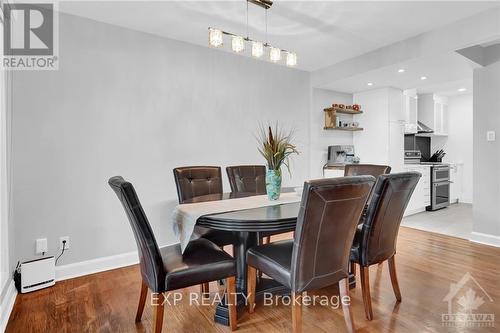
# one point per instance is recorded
(333, 172)
(456, 175)
(421, 197)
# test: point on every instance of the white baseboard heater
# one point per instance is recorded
(35, 274)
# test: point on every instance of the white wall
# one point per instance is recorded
(132, 104)
(486, 168)
(5, 232)
(458, 144)
(320, 138)
(7, 261)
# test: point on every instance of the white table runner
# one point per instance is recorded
(184, 216)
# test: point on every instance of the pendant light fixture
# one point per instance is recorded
(258, 48)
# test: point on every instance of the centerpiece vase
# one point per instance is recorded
(273, 184)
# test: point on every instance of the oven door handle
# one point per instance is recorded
(442, 183)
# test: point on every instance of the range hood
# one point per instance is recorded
(422, 128)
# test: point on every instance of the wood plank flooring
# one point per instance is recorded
(427, 264)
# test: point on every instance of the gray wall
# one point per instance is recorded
(132, 104)
(486, 191)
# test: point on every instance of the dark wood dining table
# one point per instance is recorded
(246, 225)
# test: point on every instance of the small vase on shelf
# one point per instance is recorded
(273, 184)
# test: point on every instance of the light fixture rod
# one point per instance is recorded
(266, 27)
(266, 4)
(247, 19)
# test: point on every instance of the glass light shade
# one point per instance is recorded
(291, 59)
(238, 44)
(215, 37)
(275, 54)
(257, 49)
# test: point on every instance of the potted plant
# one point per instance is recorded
(276, 147)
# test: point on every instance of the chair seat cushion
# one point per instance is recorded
(273, 259)
(202, 261)
(220, 238)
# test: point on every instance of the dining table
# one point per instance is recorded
(246, 226)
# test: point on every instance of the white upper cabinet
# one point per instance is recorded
(433, 112)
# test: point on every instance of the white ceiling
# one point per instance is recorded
(448, 89)
(445, 74)
(321, 32)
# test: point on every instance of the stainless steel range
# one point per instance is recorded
(440, 187)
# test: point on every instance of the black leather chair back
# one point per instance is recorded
(380, 228)
(195, 181)
(329, 213)
(366, 169)
(247, 178)
(149, 254)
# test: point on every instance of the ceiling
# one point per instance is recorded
(445, 73)
(320, 32)
(448, 89)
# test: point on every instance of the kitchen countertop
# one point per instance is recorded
(428, 163)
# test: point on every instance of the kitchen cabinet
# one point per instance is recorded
(421, 196)
(333, 172)
(456, 174)
(432, 110)
(382, 140)
(410, 107)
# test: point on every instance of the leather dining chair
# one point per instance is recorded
(375, 239)
(164, 269)
(247, 178)
(366, 169)
(250, 179)
(318, 256)
(194, 181)
(374, 170)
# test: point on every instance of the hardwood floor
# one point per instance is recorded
(427, 264)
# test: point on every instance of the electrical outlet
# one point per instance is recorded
(41, 245)
(490, 136)
(61, 239)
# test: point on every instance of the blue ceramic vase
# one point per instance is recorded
(273, 184)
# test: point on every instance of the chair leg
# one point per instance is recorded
(353, 268)
(394, 278)
(142, 301)
(158, 310)
(231, 298)
(251, 285)
(296, 312)
(344, 294)
(204, 289)
(365, 288)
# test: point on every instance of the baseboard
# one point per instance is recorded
(467, 200)
(409, 212)
(7, 304)
(96, 265)
(479, 237)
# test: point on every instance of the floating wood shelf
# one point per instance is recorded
(352, 129)
(345, 111)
